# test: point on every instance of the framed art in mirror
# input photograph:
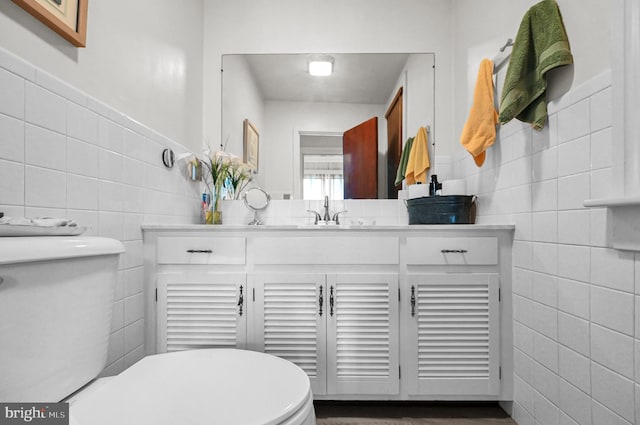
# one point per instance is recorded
(251, 139)
(68, 18)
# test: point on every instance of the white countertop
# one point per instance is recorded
(320, 228)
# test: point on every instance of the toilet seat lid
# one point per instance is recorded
(208, 386)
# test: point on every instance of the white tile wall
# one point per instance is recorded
(612, 350)
(67, 155)
(602, 415)
(576, 304)
(12, 183)
(573, 298)
(574, 333)
(575, 404)
(45, 148)
(12, 88)
(545, 411)
(44, 108)
(619, 318)
(613, 391)
(574, 227)
(545, 289)
(566, 420)
(575, 368)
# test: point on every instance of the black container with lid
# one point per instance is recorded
(451, 209)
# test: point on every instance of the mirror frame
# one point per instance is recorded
(256, 221)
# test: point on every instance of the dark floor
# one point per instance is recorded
(410, 413)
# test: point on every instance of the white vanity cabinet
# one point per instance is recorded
(201, 310)
(289, 321)
(379, 312)
(451, 320)
(452, 334)
(198, 305)
(341, 329)
(339, 323)
(363, 334)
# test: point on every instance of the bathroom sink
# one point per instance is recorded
(324, 226)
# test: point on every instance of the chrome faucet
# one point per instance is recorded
(317, 216)
(336, 216)
(326, 216)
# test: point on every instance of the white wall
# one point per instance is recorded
(419, 108)
(419, 105)
(143, 58)
(291, 26)
(242, 100)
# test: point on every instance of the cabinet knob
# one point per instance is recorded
(320, 302)
(200, 251)
(453, 251)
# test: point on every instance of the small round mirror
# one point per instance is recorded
(256, 199)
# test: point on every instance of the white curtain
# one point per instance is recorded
(322, 177)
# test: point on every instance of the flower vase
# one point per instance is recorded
(208, 216)
(213, 214)
(216, 210)
(217, 217)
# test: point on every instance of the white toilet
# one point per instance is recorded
(56, 296)
(209, 386)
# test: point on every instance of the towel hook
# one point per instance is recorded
(507, 44)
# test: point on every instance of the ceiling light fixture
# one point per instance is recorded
(320, 66)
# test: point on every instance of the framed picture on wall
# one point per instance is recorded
(251, 145)
(68, 18)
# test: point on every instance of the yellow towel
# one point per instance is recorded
(418, 162)
(479, 131)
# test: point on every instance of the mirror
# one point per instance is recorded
(256, 199)
(301, 119)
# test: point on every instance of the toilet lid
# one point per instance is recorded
(209, 386)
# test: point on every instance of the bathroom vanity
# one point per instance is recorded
(395, 312)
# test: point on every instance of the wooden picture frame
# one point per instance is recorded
(68, 18)
(251, 139)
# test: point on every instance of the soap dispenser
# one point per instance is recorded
(434, 186)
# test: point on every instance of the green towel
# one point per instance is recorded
(541, 44)
(404, 158)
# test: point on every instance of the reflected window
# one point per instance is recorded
(321, 160)
(322, 176)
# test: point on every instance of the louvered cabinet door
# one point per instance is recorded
(289, 321)
(452, 334)
(363, 334)
(201, 310)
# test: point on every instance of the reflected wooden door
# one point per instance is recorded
(360, 160)
(394, 143)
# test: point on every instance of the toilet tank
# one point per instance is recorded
(56, 300)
